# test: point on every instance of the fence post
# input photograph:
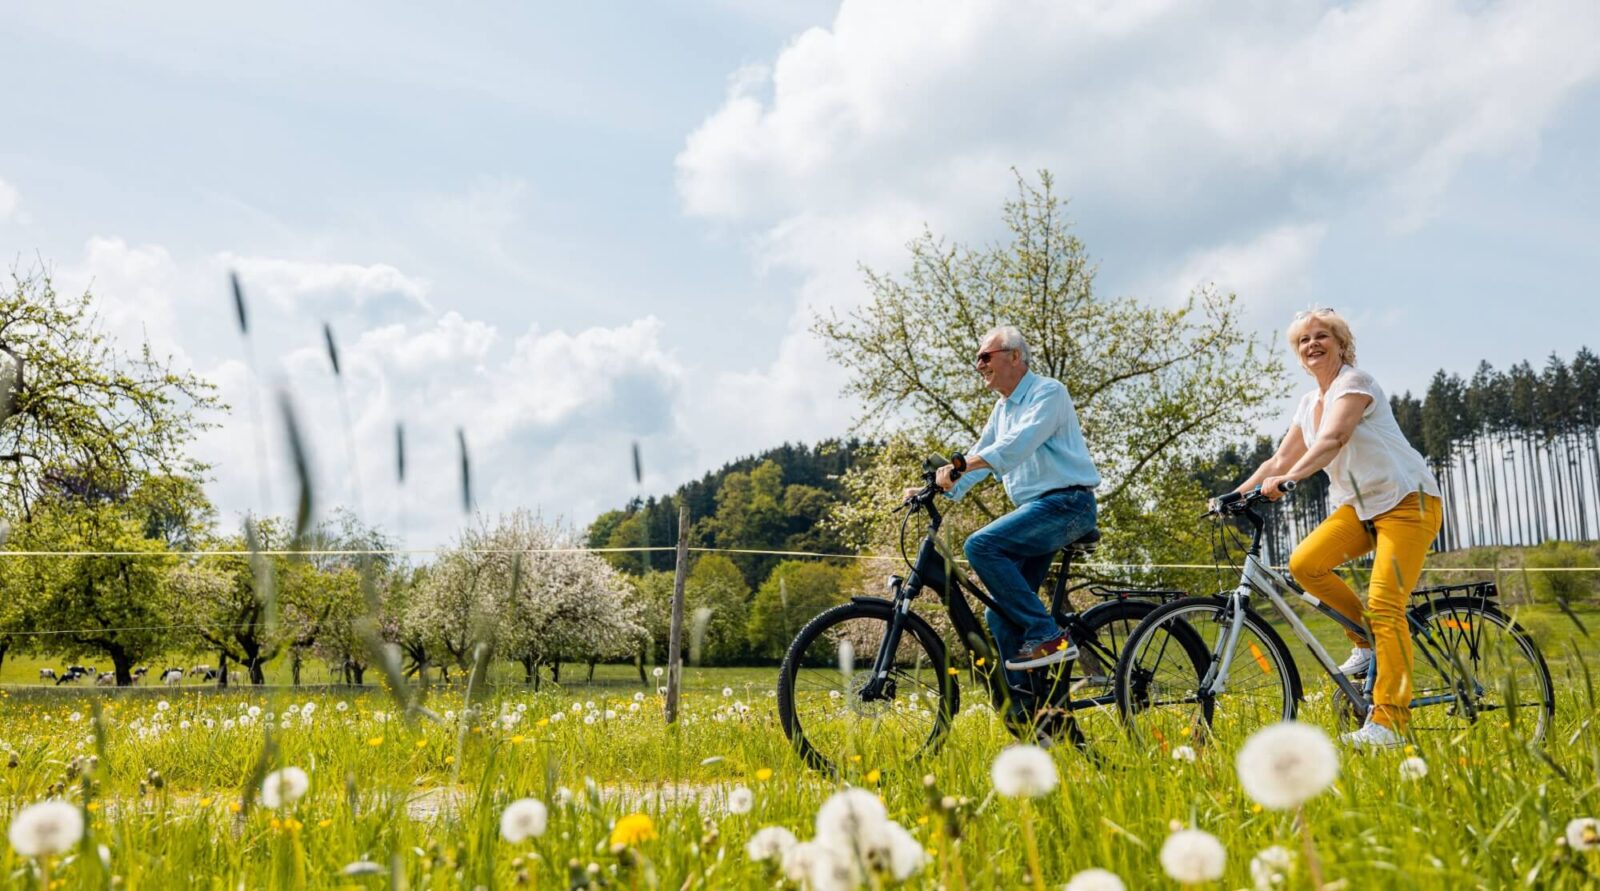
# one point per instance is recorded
(675, 636)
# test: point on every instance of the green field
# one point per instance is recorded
(422, 799)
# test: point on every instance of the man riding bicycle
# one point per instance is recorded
(1033, 441)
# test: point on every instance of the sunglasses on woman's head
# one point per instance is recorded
(1308, 313)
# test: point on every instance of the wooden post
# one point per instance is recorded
(675, 636)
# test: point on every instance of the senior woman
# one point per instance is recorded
(1385, 501)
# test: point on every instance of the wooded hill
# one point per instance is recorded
(776, 501)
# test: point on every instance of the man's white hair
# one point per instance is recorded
(1011, 339)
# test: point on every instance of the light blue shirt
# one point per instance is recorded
(1032, 439)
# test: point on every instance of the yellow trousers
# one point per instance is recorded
(1403, 535)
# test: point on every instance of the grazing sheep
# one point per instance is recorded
(47, 674)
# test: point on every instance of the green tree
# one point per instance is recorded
(84, 410)
(1155, 386)
(716, 585)
(795, 592)
(118, 604)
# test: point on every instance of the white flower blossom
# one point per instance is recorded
(45, 829)
(1183, 753)
(253, 711)
(341, 706)
(283, 787)
(658, 671)
(638, 697)
(1023, 771)
(1286, 764)
(1193, 856)
(523, 819)
(1095, 880)
(1413, 768)
(740, 800)
(771, 843)
(726, 692)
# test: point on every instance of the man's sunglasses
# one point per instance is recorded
(986, 355)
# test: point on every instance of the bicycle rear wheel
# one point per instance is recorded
(1089, 697)
(1474, 665)
(1161, 672)
(823, 711)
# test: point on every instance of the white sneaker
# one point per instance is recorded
(1373, 735)
(1360, 663)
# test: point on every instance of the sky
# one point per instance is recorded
(567, 228)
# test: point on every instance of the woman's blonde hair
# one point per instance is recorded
(1336, 325)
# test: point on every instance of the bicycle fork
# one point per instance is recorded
(1215, 683)
(879, 685)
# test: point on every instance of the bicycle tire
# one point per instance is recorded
(1139, 687)
(823, 746)
(1093, 721)
(1458, 623)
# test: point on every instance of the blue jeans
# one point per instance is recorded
(1012, 556)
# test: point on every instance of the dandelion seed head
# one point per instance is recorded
(46, 829)
(523, 819)
(284, 787)
(1023, 771)
(1286, 764)
(906, 856)
(1095, 880)
(1193, 856)
(1583, 834)
(741, 800)
(1183, 753)
(1413, 768)
(1270, 867)
(771, 843)
(855, 823)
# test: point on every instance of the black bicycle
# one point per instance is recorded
(871, 683)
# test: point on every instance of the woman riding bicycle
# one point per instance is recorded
(1386, 502)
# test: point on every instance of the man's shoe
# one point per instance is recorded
(1373, 735)
(1360, 663)
(1060, 649)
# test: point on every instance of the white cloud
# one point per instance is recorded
(319, 289)
(1151, 101)
(1272, 267)
(1214, 135)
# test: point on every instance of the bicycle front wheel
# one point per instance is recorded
(823, 705)
(1474, 665)
(1164, 683)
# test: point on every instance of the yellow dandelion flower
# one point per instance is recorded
(952, 671)
(422, 744)
(542, 722)
(449, 759)
(375, 741)
(92, 807)
(632, 830)
(206, 801)
(873, 776)
(764, 774)
(233, 807)
(324, 823)
(517, 740)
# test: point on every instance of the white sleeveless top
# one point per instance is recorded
(1377, 466)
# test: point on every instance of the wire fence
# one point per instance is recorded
(313, 552)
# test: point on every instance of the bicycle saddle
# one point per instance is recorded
(1085, 544)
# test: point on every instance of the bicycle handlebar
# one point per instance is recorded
(1239, 502)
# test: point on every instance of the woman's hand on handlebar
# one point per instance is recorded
(1274, 487)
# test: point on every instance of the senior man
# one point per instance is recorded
(1033, 441)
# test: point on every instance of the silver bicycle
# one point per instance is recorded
(1214, 666)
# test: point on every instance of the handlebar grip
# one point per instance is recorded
(1287, 485)
(958, 465)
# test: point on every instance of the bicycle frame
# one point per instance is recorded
(1258, 577)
